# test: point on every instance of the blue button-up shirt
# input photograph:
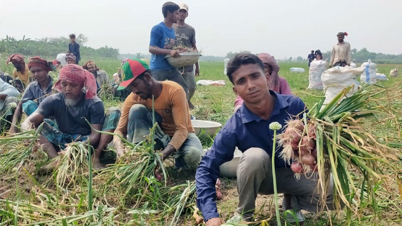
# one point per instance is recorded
(244, 130)
(35, 93)
(75, 49)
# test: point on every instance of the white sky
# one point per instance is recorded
(282, 28)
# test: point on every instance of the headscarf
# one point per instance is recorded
(90, 64)
(342, 33)
(16, 59)
(76, 74)
(39, 62)
(70, 56)
(274, 83)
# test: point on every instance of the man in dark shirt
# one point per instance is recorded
(248, 129)
(74, 48)
(69, 108)
(36, 91)
(310, 57)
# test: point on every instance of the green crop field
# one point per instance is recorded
(27, 198)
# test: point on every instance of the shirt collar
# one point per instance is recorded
(248, 116)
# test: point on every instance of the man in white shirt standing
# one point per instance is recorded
(341, 52)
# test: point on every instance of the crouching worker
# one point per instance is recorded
(76, 102)
(248, 129)
(36, 91)
(8, 102)
(174, 133)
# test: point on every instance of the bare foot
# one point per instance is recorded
(97, 165)
(49, 168)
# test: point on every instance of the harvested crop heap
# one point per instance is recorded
(330, 140)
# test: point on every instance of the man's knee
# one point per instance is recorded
(254, 159)
(192, 156)
(138, 110)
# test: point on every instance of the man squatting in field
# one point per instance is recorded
(36, 91)
(162, 43)
(21, 71)
(341, 52)
(174, 132)
(248, 129)
(185, 36)
(76, 102)
(8, 102)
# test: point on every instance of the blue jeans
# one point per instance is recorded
(139, 124)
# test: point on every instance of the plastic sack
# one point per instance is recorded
(61, 57)
(317, 67)
(297, 69)
(211, 82)
(381, 77)
(337, 78)
(369, 74)
(225, 64)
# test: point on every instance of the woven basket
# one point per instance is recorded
(185, 59)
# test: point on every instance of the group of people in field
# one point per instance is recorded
(341, 54)
(71, 111)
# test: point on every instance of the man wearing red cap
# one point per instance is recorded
(341, 52)
(21, 69)
(174, 133)
(76, 102)
(185, 36)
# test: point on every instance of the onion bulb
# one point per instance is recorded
(308, 159)
(297, 167)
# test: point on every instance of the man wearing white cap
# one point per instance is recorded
(185, 36)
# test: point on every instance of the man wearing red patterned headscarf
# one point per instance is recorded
(76, 104)
(21, 69)
(341, 52)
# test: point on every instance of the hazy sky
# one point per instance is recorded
(282, 28)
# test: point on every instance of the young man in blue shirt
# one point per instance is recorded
(248, 129)
(74, 48)
(162, 43)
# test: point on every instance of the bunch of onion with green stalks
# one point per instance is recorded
(133, 175)
(13, 152)
(182, 197)
(342, 150)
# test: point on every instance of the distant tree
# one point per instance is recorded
(299, 58)
(138, 56)
(230, 55)
(290, 58)
(82, 39)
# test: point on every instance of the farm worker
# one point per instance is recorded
(174, 132)
(310, 57)
(36, 91)
(74, 48)
(70, 58)
(185, 36)
(21, 70)
(8, 102)
(275, 82)
(76, 103)
(341, 52)
(318, 55)
(248, 129)
(162, 43)
(100, 75)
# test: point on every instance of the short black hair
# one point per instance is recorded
(169, 7)
(72, 36)
(242, 59)
(312, 51)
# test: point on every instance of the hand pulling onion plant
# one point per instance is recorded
(330, 140)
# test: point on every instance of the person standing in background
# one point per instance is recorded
(341, 52)
(162, 43)
(310, 57)
(185, 37)
(74, 48)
